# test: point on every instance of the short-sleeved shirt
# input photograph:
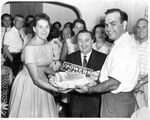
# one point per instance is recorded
(13, 40)
(122, 64)
(144, 58)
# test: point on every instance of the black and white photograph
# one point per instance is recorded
(75, 59)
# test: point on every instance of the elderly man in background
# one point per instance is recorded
(142, 85)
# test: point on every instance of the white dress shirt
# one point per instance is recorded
(122, 64)
(3, 32)
(13, 40)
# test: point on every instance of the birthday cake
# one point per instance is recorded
(69, 79)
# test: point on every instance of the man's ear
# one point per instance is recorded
(125, 25)
(14, 21)
(34, 29)
(92, 40)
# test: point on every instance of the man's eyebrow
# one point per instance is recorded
(110, 22)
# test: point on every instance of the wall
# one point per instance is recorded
(93, 10)
(5, 8)
(59, 13)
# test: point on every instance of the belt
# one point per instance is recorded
(15, 53)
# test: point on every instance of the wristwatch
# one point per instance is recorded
(141, 82)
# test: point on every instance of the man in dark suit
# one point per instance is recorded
(85, 105)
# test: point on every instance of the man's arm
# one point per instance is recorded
(6, 51)
(140, 83)
(108, 85)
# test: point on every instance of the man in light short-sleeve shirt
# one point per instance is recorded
(13, 44)
(119, 73)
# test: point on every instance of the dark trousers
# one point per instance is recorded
(16, 64)
(85, 105)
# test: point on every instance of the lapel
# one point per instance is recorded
(91, 59)
(79, 61)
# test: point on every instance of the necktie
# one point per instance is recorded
(21, 37)
(4, 36)
(84, 61)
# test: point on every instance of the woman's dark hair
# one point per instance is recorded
(54, 33)
(68, 24)
(96, 26)
(55, 23)
(81, 21)
(40, 16)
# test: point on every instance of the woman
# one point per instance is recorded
(31, 94)
(71, 44)
(65, 34)
(101, 45)
(6, 82)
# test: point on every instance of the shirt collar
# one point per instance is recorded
(87, 55)
(15, 29)
(6, 28)
(123, 36)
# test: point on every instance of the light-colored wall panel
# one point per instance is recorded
(92, 10)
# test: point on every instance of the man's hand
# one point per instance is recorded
(137, 87)
(64, 91)
(81, 89)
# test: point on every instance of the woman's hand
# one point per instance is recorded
(81, 89)
(64, 90)
(95, 75)
(55, 65)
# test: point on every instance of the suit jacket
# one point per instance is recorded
(87, 104)
(95, 62)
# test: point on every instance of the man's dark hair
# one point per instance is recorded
(123, 15)
(19, 15)
(29, 16)
(6, 15)
(79, 21)
(86, 31)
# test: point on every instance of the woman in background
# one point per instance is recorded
(6, 82)
(71, 44)
(100, 44)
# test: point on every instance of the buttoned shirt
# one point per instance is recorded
(3, 32)
(143, 54)
(122, 64)
(13, 40)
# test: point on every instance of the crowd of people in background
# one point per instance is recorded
(33, 49)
